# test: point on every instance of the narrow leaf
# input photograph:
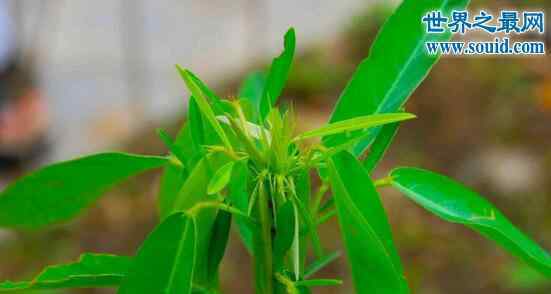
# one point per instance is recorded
(357, 123)
(220, 179)
(396, 65)
(91, 271)
(60, 191)
(380, 145)
(195, 124)
(165, 262)
(203, 104)
(277, 75)
(375, 264)
(320, 263)
(456, 203)
(212, 98)
(318, 283)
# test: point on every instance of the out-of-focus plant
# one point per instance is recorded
(240, 160)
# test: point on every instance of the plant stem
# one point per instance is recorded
(263, 243)
(318, 197)
(386, 181)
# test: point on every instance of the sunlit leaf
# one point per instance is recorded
(203, 104)
(277, 76)
(60, 191)
(220, 179)
(211, 97)
(195, 124)
(456, 203)
(91, 271)
(375, 264)
(396, 65)
(357, 123)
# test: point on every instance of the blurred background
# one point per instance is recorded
(83, 76)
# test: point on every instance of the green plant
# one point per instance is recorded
(240, 160)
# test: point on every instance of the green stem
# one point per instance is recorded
(289, 285)
(318, 197)
(386, 181)
(326, 217)
(263, 243)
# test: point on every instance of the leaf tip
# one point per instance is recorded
(290, 38)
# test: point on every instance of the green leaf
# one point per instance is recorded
(396, 65)
(193, 192)
(277, 75)
(303, 186)
(171, 182)
(60, 191)
(379, 146)
(455, 203)
(91, 271)
(194, 189)
(221, 178)
(169, 143)
(165, 262)
(218, 243)
(251, 90)
(238, 195)
(202, 102)
(320, 263)
(353, 124)
(520, 276)
(310, 227)
(212, 98)
(375, 264)
(285, 232)
(184, 143)
(195, 124)
(318, 283)
(174, 175)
